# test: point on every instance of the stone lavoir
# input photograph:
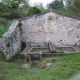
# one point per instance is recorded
(39, 30)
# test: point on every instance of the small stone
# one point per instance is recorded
(26, 66)
(48, 65)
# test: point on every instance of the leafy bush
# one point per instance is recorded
(3, 21)
(34, 10)
(2, 30)
(10, 8)
(14, 15)
(55, 4)
(24, 14)
(4, 25)
(3, 10)
(77, 4)
(13, 10)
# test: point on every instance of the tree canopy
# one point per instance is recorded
(54, 4)
(10, 8)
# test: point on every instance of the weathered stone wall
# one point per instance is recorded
(0, 44)
(12, 41)
(51, 27)
(40, 30)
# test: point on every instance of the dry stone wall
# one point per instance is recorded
(12, 41)
(0, 44)
(51, 27)
(39, 30)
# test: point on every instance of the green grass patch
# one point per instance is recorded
(4, 25)
(68, 65)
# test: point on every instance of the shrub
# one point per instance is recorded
(55, 4)
(14, 15)
(24, 14)
(4, 25)
(3, 10)
(34, 10)
(3, 21)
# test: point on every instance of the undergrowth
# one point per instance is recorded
(4, 25)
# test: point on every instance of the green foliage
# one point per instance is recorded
(14, 15)
(3, 10)
(13, 4)
(3, 21)
(74, 5)
(40, 6)
(34, 10)
(25, 14)
(55, 4)
(10, 8)
(4, 25)
(72, 9)
(77, 4)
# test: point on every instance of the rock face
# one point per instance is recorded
(51, 27)
(11, 41)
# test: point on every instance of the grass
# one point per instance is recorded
(4, 25)
(68, 65)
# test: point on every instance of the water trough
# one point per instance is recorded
(38, 53)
